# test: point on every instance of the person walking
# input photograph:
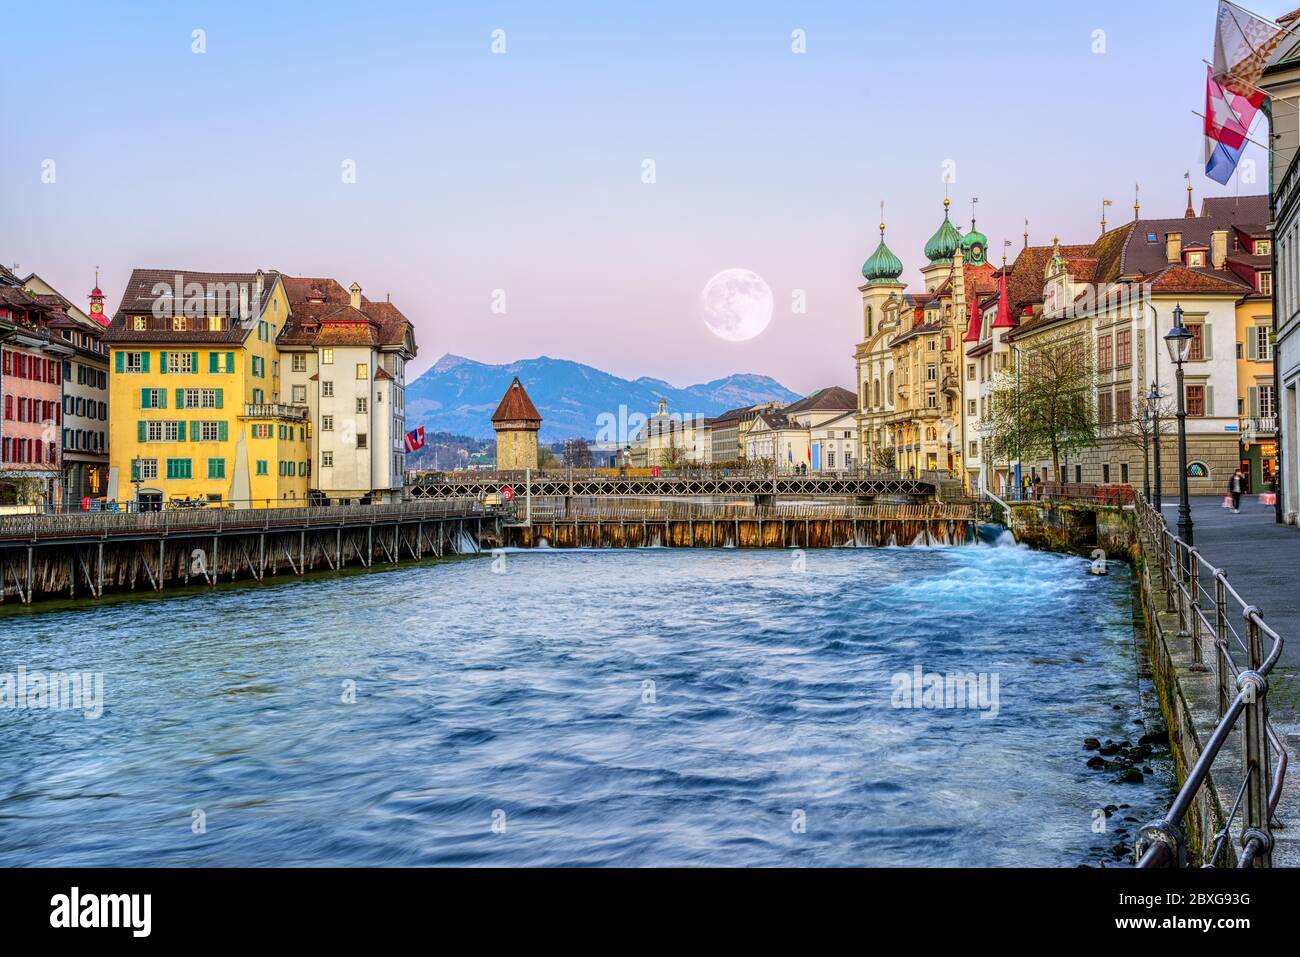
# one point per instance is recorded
(1236, 485)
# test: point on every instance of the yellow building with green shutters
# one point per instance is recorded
(195, 409)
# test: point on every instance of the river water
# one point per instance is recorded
(639, 707)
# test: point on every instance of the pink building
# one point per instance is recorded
(31, 383)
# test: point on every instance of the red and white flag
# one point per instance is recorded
(415, 439)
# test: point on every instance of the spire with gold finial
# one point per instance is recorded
(1104, 204)
(1137, 207)
(1190, 213)
(883, 265)
(1026, 232)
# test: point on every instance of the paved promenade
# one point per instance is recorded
(1262, 560)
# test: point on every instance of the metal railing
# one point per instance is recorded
(516, 477)
(83, 525)
(1209, 608)
(275, 410)
(638, 511)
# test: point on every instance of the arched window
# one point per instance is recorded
(877, 388)
(1198, 470)
(868, 322)
(889, 388)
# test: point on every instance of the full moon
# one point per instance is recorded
(736, 304)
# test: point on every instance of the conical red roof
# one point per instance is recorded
(973, 326)
(1004, 318)
(516, 406)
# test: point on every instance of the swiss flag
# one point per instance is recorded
(1228, 115)
(415, 439)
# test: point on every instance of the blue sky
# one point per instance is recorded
(522, 171)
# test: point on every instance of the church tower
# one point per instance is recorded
(97, 303)
(516, 422)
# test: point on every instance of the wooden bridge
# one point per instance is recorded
(52, 554)
(761, 486)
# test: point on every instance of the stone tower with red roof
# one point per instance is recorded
(516, 422)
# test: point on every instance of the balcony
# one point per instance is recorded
(1259, 426)
(275, 410)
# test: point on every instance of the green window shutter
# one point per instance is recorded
(144, 398)
(1252, 401)
(1207, 342)
(1209, 400)
(180, 398)
(222, 431)
(213, 359)
(180, 431)
(135, 471)
(1252, 352)
(144, 362)
(119, 361)
(162, 363)
(143, 429)
(219, 397)
(194, 362)
(230, 362)
(162, 398)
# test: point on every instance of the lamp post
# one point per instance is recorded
(1153, 407)
(1146, 454)
(1179, 341)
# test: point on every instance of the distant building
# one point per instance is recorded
(727, 432)
(516, 423)
(671, 439)
(803, 432)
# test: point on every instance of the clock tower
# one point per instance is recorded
(97, 303)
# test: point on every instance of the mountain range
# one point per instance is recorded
(459, 395)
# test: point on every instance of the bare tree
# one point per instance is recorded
(1139, 429)
(577, 454)
(1043, 406)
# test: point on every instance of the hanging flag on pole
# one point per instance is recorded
(415, 439)
(1243, 44)
(1228, 116)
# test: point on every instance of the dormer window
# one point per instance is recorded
(1196, 258)
(1264, 281)
(1263, 247)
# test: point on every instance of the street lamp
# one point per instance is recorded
(1179, 341)
(1146, 453)
(1153, 409)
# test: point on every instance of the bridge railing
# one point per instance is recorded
(666, 475)
(1210, 610)
(65, 525)
(633, 511)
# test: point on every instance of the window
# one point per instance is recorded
(1078, 473)
(136, 361)
(327, 389)
(361, 440)
(1123, 472)
(1104, 354)
(931, 401)
(361, 406)
(1265, 282)
(327, 356)
(178, 323)
(153, 398)
(300, 395)
(140, 323)
(1123, 349)
(214, 323)
(1197, 353)
(363, 371)
(179, 469)
(1263, 343)
(1267, 400)
(931, 371)
(1263, 247)
(327, 423)
(970, 371)
(1105, 474)
(1104, 409)
(1196, 258)
(974, 449)
(1123, 405)
(200, 399)
(216, 468)
(259, 367)
(327, 460)
(144, 470)
(299, 362)
(180, 362)
(970, 407)
(210, 431)
(162, 431)
(261, 467)
(1195, 400)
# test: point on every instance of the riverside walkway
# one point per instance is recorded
(1262, 560)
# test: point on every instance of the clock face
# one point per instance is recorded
(978, 250)
(96, 307)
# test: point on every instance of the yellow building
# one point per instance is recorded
(194, 393)
(1247, 253)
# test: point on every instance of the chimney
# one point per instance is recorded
(1218, 248)
(1174, 247)
(259, 280)
(355, 289)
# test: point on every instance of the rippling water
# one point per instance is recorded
(621, 707)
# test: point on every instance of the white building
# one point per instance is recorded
(346, 360)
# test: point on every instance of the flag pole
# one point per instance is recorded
(1246, 138)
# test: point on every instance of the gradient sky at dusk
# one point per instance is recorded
(522, 171)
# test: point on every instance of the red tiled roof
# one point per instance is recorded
(318, 305)
(516, 406)
(221, 298)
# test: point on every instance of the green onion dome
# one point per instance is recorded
(974, 246)
(945, 241)
(883, 266)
